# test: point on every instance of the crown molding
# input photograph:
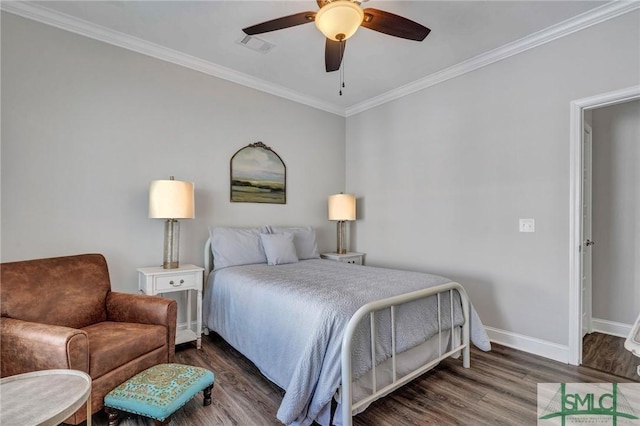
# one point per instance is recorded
(75, 25)
(567, 27)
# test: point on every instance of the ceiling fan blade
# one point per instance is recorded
(281, 23)
(333, 52)
(391, 24)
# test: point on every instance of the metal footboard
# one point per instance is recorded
(348, 407)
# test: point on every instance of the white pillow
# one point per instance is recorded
(304, 239)
(236, 246)
(279, 248)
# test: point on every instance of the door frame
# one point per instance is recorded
(575, 200)
(587, 219)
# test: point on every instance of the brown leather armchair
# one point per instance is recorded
(61, 313)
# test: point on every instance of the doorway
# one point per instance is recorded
(577, 304)
(610, 251)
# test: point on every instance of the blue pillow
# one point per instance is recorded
(279, 248)
(236, 246)
(304, 239)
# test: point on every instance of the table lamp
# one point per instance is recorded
(342, 207)
(171, 200)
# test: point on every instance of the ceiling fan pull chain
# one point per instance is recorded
(342, 66)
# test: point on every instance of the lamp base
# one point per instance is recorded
(171, 244)
(170, 265)
(342, 237)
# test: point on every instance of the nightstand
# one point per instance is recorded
(350, 257)
(187, 278)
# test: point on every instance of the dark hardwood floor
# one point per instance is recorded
(500, 388)
(607, 353)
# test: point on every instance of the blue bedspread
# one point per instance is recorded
(289, 321)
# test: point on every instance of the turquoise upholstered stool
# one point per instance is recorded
(159, 391)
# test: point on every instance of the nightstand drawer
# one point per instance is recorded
(351, 257)
(175, 282)
(356, 260)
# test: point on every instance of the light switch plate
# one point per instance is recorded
(527, 225)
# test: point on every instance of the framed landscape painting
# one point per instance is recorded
(258, 175)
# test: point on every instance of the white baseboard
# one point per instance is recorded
(611, 327)
(184, 325)
(532, 345)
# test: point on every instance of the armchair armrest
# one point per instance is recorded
(28, 346)
(144, 309)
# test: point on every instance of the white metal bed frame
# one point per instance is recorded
(370, 309)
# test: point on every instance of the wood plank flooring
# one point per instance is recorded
(500, 388)
(607, 353)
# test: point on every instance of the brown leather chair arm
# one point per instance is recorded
(28, 346)
(144, 309)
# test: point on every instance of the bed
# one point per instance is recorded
(329, 331)
(632, 342)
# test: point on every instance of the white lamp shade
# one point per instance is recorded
(342, 207)
(339, 19)
(171, 199)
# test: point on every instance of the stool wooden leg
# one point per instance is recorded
(164, 422)
(207, 395)
(113, 416)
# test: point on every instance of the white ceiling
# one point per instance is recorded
(374, 63)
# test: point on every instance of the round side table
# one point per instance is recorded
(44, 397)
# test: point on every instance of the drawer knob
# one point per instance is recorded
(176, 285)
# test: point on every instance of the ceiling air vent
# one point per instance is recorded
(255, 43)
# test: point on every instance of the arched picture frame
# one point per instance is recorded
(258, 175)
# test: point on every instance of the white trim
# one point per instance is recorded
(577, 108)
(592, 17)
(575, 233)
(75, 25)
(528, 344)
(611, 327)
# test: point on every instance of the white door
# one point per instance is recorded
(587, 242)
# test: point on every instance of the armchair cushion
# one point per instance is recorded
(116, 343)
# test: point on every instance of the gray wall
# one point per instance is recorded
(86, 126)
(616, 212)
(443, 175)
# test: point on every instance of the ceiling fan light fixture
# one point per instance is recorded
(339, 19)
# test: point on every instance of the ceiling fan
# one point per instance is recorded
(338, 20)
